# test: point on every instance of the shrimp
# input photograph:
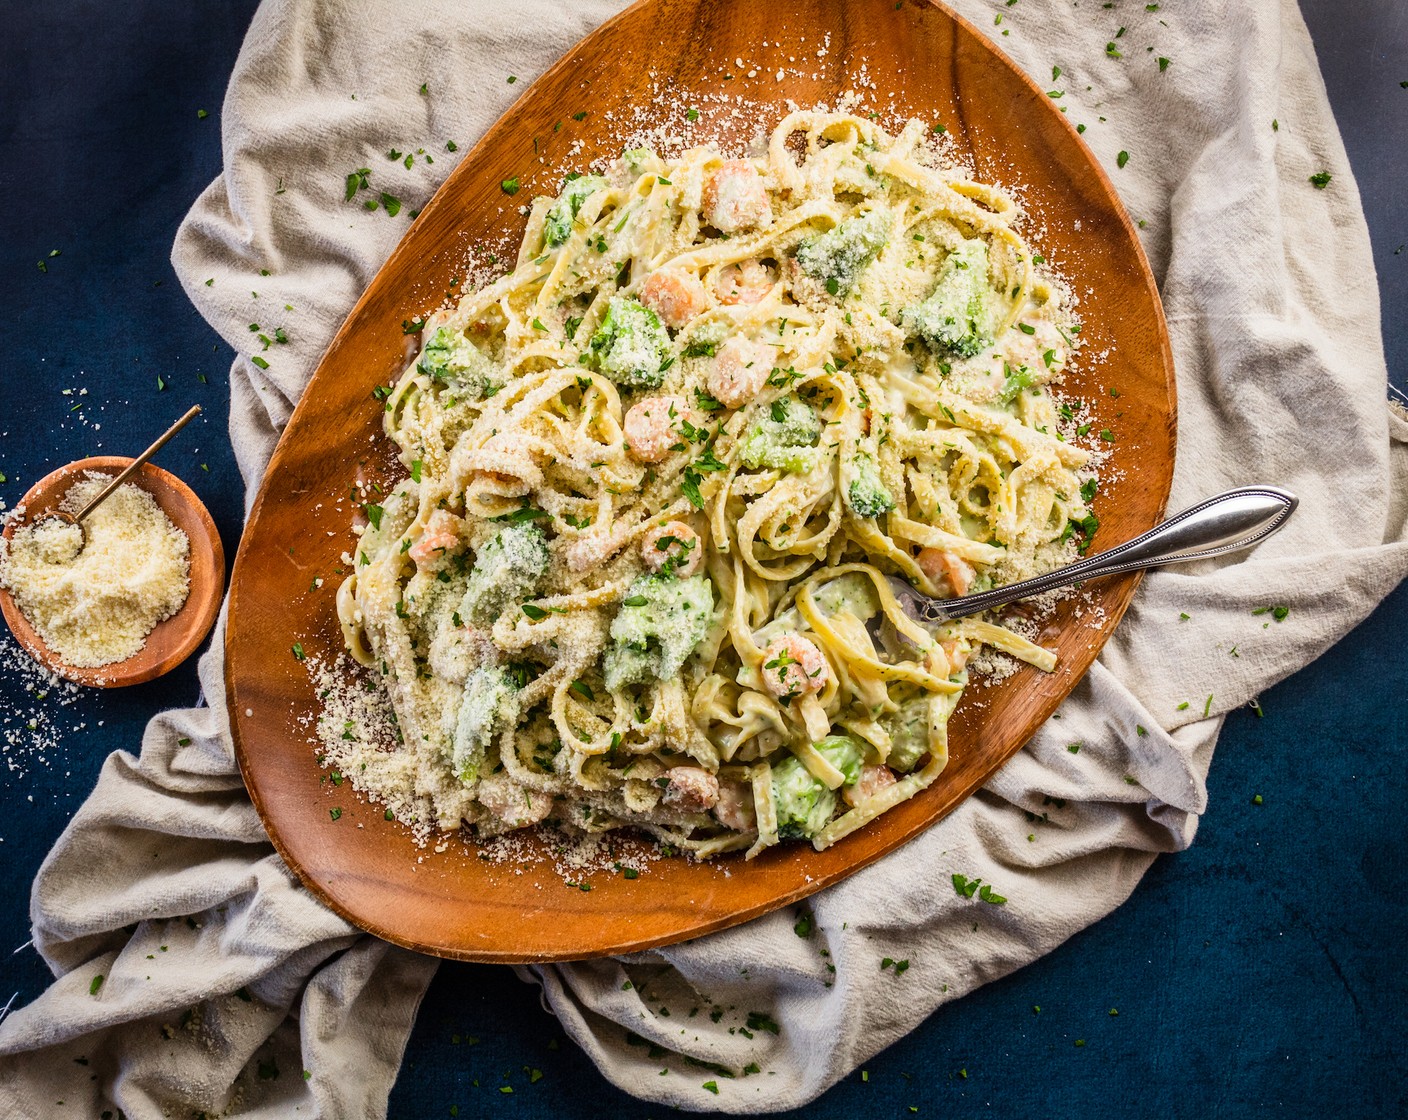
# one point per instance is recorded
(438, 540)
(746, 282)
(949, 571)
(735, 807)
(458, 650)
(740, 369)
(735, 197)
(512, 803)
(794, 666)
(650, 427)
(957, 654)
(501, 465)
(1031, 350)
(690, 788)
(871, 781)
(675, 295)
(674, 547)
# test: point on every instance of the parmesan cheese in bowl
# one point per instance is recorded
(94, 602)
(127, 597)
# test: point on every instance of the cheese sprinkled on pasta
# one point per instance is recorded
(659, 472)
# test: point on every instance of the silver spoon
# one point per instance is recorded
(1235, 520)
(127, 472)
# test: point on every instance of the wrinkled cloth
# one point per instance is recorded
(217, 967)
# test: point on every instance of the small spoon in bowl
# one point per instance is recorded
(1228, 522)
(136, 465)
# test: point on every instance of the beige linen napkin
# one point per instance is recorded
(219, 969)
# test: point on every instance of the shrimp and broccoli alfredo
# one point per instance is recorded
(658, 473)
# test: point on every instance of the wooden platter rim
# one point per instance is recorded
(1115, 602)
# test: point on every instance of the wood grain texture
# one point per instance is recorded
(658, 57)
(171, 641)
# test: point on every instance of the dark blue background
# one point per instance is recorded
(1260, 972)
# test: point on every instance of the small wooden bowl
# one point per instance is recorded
(173, 640)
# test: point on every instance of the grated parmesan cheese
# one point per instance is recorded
(96, 606)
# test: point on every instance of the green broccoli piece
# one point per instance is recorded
(636, 159)
(805, 805)
(867, 495)
(838, 256)
(506, 570)
(660, 622)
(489, 706)
(845, 754)
(450, 358)
(631, 346)
(783, 438)
(1017, 380)
(557, 226)
(909, 734)
(960, 314)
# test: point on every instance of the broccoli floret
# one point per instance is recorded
(838, 256)
(805, 805)
(960, 313)
(844, 753)
(488, 707)
(783, 438)
(867, 494)
(506, 570)
(631, 345)
(1017, 380)
(451, 358)
(909, 734)
(557, 226)
(636, 159)
(660, 622)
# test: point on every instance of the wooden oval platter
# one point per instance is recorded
(669, 63)
(171, 641)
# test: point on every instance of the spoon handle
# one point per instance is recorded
(1234, 520)
(136, 463)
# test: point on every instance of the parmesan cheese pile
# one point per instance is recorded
(96, 606)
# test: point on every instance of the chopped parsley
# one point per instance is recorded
(583, 688)
(690, 488)
(1321, 180)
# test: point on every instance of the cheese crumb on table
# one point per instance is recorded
(96, 606)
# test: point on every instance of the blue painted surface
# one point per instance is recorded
(1261, 972)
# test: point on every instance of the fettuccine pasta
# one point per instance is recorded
(659, 472)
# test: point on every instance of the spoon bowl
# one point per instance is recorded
(172, 640)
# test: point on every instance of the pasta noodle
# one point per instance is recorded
(659, 472)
